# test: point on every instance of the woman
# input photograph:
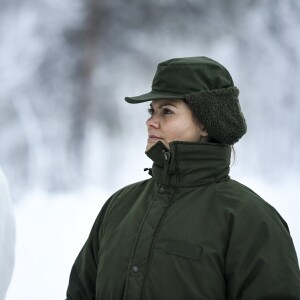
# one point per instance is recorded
(188, 232)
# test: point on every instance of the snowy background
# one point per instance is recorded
(68, 139)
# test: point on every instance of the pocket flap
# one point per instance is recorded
(183, 249)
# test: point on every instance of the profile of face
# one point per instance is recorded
(172, 120)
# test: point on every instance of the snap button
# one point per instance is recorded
(161, 190)
(135, 269)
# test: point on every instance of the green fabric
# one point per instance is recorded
(189, 232)
(178, 77)
(209, 89)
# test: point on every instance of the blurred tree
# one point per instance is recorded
(85, 41)
(65, 67)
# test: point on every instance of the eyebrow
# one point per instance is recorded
(165, 104)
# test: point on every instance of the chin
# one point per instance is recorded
(150, 145)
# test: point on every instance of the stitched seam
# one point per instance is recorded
(155, 236)
(128, 274)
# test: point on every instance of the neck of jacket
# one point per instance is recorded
(188, 164)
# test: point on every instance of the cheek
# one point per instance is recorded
(191, 132)
(183, 131)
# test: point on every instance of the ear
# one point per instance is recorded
(203, 131)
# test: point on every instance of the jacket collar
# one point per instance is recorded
(189, 164)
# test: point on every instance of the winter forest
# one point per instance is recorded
(69, 140)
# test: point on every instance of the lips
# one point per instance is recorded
(151, 136)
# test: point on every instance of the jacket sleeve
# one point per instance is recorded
(83, 275)
(261, 261)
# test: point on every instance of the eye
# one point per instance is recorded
(150, 111)
(167, 111)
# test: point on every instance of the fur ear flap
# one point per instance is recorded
(220, 112)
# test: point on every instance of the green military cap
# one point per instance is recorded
(209, 89)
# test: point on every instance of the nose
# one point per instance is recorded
(153, 121)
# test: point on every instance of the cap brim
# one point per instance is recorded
(153, 96)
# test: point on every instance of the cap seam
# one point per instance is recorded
(187, 64)
(170, 91)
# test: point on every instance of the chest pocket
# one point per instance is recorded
(183, 249)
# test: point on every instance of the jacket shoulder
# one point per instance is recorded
(128, 193)
(238, 199)
(238, 195)
(131, 188)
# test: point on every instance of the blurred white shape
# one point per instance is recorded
(7, 237)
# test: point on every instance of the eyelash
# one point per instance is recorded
(150, 111)
(166, 111)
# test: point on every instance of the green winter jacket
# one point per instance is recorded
(187, 233)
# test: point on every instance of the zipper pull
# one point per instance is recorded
(166, 154)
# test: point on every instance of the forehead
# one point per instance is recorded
(161, 102)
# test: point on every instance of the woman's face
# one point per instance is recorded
(172, 120)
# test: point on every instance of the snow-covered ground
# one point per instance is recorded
(52, 228)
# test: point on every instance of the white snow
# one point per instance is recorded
(51, 230)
